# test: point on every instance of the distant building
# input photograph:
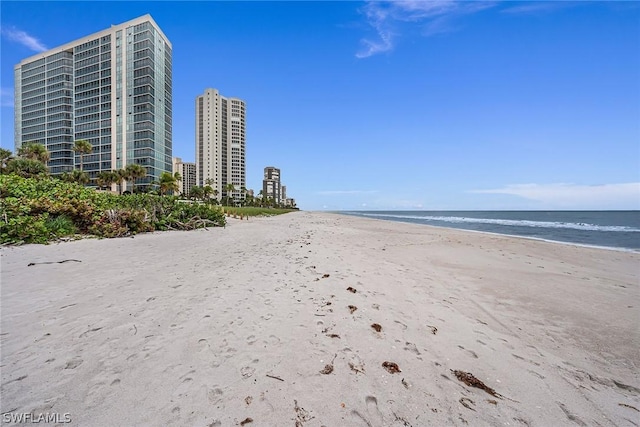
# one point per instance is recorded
(220, 143)
(271, 184)
(112, 88)
(187, 172)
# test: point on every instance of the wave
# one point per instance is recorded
(510, 222)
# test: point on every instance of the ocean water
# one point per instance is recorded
(609, 229)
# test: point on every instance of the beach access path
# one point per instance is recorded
(318, 319)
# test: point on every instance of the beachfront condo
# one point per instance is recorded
(220, 143)
(271, 187)
(187, 173)
(112, 88)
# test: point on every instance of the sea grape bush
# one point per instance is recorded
(38, 210)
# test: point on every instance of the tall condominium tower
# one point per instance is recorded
(220, 143)
(112, 88)
(187, 173)
(271, 187)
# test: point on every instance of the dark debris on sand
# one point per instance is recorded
(471, 381)
(391, 367)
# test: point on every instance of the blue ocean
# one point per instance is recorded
(609, 229)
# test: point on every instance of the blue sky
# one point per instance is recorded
(396, 105)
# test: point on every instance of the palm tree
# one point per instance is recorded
(123, 175)
(34, 151)
(5, 157)
(168, 182)
(27, 168)
(229, 188)
(196, 192)
(107, 178)
(135, 171)
(76, 175)
(207, 191)
(104, 179)
(82, 147)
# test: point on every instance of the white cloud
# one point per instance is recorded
(386, 16)
(575, 196)
(24, 39)
(6, 97)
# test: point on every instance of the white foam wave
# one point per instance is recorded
(511, 222)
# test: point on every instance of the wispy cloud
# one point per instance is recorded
(341, 192)
(434, 17)
(575, 196)
(6, 97)
(23, 38)
(537, 7)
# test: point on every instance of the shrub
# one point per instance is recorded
(36, 210)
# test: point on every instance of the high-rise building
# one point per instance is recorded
(220, 143)
(271, 184)
(112, 88)
(187, 173)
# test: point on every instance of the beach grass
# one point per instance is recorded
(254, 211)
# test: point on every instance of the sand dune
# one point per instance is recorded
(299, 320)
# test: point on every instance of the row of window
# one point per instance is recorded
(58, 123)
(59, 101)
(34, 107)
(86, 46)
(88, 78)
(66, 62)
(144, 53)
(93, 125)
(60, 78)
(26, 80)
(32, 86)
(39, 119)
(89, 61)
(30, 72)
(32, 65)
(32, 96)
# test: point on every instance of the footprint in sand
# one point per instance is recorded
(73, 363)
(203, 344)
(247, 371)
(409, 346)
(214, 395)
(404, 326)
(184, 386)
(373, 416)
(469, 352)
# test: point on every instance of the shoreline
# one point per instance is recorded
(211, 327)
(612, 248)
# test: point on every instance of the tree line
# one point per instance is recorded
(32, 157)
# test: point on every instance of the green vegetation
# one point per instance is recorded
(38, 210)
(256, 211)
(82, 147)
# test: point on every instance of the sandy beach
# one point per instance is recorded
(288, 321)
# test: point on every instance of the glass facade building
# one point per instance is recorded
(112, 88)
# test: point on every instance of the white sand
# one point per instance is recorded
(182, 328)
